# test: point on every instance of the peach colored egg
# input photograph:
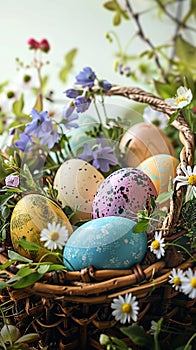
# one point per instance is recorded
(142, 141)
(160, 169)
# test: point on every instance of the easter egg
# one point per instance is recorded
(160, 169)
(105, 243)
(142, 141)
(77, 182)
(123, 193)
(30, 216)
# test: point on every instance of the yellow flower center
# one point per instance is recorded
(180, 99)
(192, 180)
(155, 245)
(193, 282)
(54, 236)
(126, 308)
(177, 281)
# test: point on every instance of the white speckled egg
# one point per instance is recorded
(160, 168)
(77, 182)
(142, 141)
(123, 193)
(105, 243)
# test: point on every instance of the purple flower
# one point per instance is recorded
(12, 181)
(86, 77)
(68, 120)
(105, 85)
(49, 139)
(87, 153)
(68, 111)
(82, 104)
(72, 93)
(102, 157)
(25, 143)
(40, 124)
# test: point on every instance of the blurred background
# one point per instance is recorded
(83, 25)
(80, 24)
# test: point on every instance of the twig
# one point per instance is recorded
(141, 34)
(174, 19)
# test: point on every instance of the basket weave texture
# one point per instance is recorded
(70, 309)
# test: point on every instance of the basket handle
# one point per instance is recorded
(185, 134)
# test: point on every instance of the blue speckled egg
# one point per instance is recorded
(123, 193)
(105, 243)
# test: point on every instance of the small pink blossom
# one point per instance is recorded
(12, 180)
(34, 44)
(44, 45)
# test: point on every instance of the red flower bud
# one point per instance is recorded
(33, 44)
(44, 45)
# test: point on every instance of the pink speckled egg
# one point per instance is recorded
(123, 193)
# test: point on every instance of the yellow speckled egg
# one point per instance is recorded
(30, 216)
(142, 141)
(159, 169)
(77, 182)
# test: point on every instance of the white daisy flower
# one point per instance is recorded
(183, 98)
(189, 180)
(189, 283)
(154, 117)
(176, 278)
(55, 236)
(125, 308)
(157, 245)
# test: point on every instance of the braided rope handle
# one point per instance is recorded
(186, 137)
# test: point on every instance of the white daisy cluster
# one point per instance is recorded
(184, 281)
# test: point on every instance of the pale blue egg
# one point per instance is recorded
(106, 243)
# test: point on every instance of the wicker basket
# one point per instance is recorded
(70, 310)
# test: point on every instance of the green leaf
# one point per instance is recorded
(18, 106)
(117, 19)
(110, 5)
(3, 285)
(25, 271)
(29, 245)
(6, 265)
(186, 53)
(42, 269)
(27, 338)
(29, 179)
(68, 65)
(2, 85)
(17, 257)
(165, 90)
(27, 280)
(173, 117)
(163, 197)
(4, 198)
(191, 11)
(141, 226)
(56, 267)
(138, 336)
(121, 344)
(39, 103)
(158, 213)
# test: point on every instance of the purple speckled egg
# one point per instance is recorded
(123, 193)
